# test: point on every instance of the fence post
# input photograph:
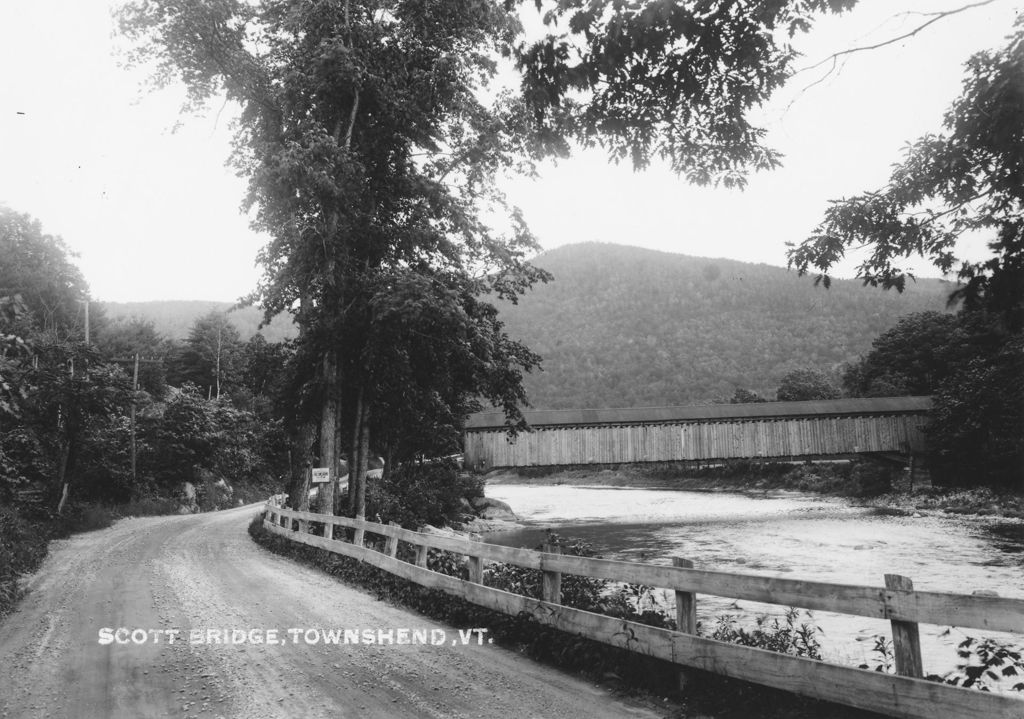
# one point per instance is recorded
(906, 639)
(686, 614)
(551, 582)
(686, 603)
(391, 543)
(329, 528)
(357, 539)
(476, 569)
(421, 555)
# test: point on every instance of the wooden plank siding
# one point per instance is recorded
(695, 440)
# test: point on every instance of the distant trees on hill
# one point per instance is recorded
(624, 326)
(205, 409)
(211, 356)
(173, 318)
(743, 396)
(807, 384)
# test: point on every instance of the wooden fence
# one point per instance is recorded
(901, 695)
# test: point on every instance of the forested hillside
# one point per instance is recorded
(624, 326)
(173, 318)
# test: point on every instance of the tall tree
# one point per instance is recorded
(371, 154)
(967, 179)
(54, 389)
(437, 349)
(71, 391)
(263, 366)
(21, 455)
(664, 80)
(122, 339)
(37, 268)
(125, 337)
(211, 356)
(918, 354)
(976, 433)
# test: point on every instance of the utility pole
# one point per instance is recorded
(220, 330)
(136, 361)
(86, 321)
(62, 476)
(135, 388)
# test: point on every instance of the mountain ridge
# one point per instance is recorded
(625, 326)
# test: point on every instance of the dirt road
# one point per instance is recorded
(201, 573)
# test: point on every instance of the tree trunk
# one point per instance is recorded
(220, 329)
(302, 454)
(353, 458)
(67, 468)
(62, 478)
(339, 442)
(135, 389)
(364, 456)
(329, 432)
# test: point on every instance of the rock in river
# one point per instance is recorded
(487, 508)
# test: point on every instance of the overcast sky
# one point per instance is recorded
(153, 213)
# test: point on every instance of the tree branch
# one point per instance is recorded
(933, 216)
(935, 17)
(352, 120)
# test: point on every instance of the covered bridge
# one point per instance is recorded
(781, 430)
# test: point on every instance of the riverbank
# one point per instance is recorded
(863, 483)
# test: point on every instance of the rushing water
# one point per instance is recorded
(793, 535)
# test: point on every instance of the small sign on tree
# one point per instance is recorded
(321, 474)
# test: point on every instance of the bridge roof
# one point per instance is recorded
(707, 412)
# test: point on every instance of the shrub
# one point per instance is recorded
(986, 664)
(579, 592)
(21, 550)
(418, 494)
(637, 603)
(785, 637)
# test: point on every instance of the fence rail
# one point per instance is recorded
(903, 695)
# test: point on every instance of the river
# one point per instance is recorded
(795, 535)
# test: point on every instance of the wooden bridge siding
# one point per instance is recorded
(614, 444)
